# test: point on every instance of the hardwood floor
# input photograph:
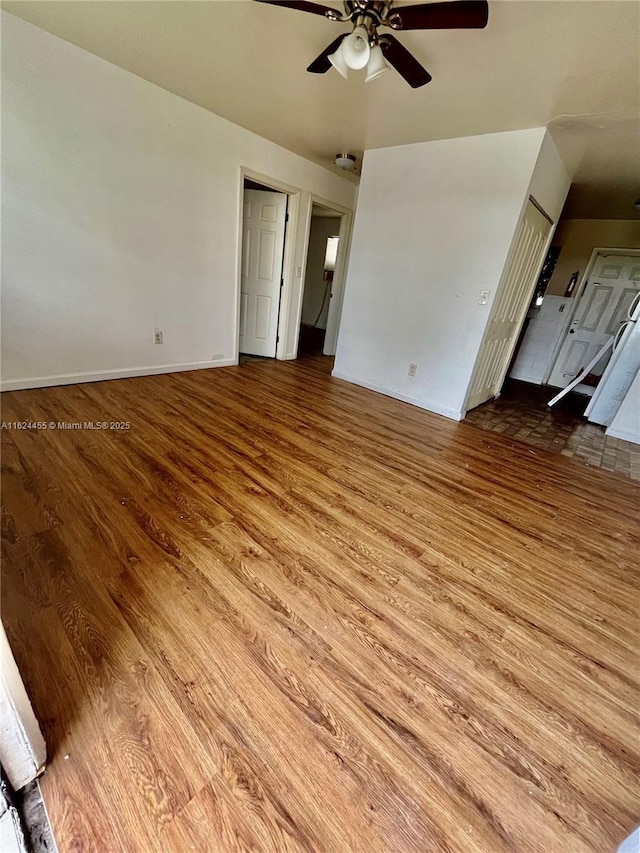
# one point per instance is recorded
(283, 613)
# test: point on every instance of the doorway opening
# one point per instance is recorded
(272, 259)
(605, 302)
(579, 339)
(584, 339)
(265, 216)
(322, 286)
(322, 253)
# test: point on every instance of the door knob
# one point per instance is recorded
(572, 331)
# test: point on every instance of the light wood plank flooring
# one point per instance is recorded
(283, 613)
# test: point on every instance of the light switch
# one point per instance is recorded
(484, 297)
(298, 272)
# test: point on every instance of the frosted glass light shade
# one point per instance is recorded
(345, 161)
(377, 64)
(338, 62)
(355, 48)
(331, 253)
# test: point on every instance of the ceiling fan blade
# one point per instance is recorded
(321, 64)
(303, 6)
(405, 64)
(455, 15)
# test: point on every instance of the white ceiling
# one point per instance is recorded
(569, 64)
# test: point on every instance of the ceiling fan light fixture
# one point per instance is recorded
(355, 48)
(354, 51)
(338, 62)
(377, 64)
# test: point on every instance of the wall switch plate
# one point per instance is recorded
(413, 368)
(484, 297)
(157, 337)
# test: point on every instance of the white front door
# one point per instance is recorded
(510, 306)
(261, 274)
(604, 304)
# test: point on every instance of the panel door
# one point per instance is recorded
(510, 306)
(261, 274)
(603, 306)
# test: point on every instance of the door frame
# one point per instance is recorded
(288, 261)
(290, 311)
(598, 250)
(22, 750)
(339, 275)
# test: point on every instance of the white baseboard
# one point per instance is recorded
(430, 406)
(623, 434)
(102, 375)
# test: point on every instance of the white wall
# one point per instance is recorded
(549, 186)
(433, 228)
(315, 286)
(550, 181)
(121, 215)
(626, 423)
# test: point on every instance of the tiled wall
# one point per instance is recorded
(539, 343)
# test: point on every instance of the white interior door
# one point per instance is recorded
(510, 306)
(604, 304)
(261, 274)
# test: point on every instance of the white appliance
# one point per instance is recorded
(620, 372)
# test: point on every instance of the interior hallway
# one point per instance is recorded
(284, 613)
(521, 412)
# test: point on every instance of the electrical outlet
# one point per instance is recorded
(157, 337)
(484, 297)
(413, 368)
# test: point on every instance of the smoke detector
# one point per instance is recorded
(346, 161)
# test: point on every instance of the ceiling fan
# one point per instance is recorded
(363, 47)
